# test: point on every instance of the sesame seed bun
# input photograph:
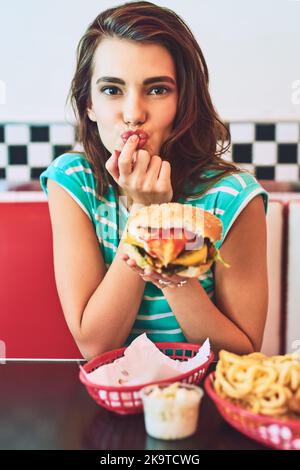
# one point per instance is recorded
(173, 214)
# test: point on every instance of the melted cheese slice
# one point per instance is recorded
(192, 257)
(133, 241)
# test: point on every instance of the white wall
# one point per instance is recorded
(252, 49)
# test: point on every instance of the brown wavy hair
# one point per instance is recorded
(197, 132)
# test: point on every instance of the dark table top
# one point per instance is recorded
(43, 405)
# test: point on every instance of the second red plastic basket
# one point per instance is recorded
(279, 433)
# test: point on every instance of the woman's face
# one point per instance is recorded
(133, 105)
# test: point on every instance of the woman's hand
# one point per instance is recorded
(147, 181)
(149, 275)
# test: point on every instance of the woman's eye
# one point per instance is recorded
(161, 88)
(103, 90)
(108, 88)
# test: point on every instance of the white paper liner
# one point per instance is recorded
(142, 363)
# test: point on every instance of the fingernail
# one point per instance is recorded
(134, 138)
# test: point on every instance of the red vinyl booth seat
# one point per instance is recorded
(32, 323)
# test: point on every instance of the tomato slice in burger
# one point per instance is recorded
(166, 244)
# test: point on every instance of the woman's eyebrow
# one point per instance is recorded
(147, 81)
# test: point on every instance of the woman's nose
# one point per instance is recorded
(134, 111)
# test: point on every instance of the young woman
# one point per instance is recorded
(140, 69)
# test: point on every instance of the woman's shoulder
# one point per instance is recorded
(239, 188)
(232, 186)
(72, 171)
(228, 196)
(237, 180)
(71, 168)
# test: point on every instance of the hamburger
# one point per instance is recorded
(173, 238)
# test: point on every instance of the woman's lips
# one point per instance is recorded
(143, 137)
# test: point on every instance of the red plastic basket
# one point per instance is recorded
(126, 399)
(279, 433)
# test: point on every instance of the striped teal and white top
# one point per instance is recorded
(108, 214)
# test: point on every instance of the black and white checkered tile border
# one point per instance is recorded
(26, 150)
(270, 151)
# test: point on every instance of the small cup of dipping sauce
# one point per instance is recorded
(171, 411)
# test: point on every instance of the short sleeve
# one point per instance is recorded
(73, 173)
(233, 194)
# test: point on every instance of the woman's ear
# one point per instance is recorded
(91, 114)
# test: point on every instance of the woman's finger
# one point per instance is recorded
(112, 165)
(154, 281)
(125, 159)
(153, 169)
(155, 278)
(132, 264)
(149, 275)
(174, 278)
(165, 172)
(150, 272)
(141, 165)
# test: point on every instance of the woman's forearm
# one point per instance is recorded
(111, 311)
(200, 318)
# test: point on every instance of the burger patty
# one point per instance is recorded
(175, 267)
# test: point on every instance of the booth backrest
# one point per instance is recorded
(272, 341)
(292, 339)
(32, 323)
